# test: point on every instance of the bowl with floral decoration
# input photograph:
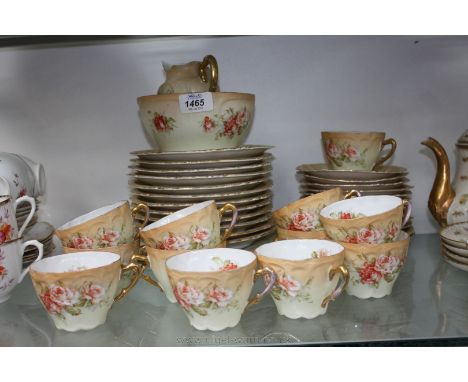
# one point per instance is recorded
(366, 219)
(174, 122)
(374, 268)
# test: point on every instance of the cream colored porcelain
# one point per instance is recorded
(77, 290)
(306, 271)
(285, 234)
(183, 78)
(355, 150)
(8, 223)
(225, 126)
(194, 227)
(366, 219)
(11, 265)
(107, 226)
(213, 285)
(374, 268)
(380, 172)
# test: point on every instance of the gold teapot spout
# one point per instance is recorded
(442, 193)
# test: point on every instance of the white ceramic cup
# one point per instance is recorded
(11, 265)
(18, 174)
(8, 224)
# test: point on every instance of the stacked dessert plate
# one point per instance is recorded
(454, 239)
(170, 181)
(42, 232)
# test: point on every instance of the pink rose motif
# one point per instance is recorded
(81, 242)
(63, 296)
(322, 252)
(393, 231)
(369, 275)
(50, 305)
(370, 236)
(289, 285)
(208, 124)
(386, 264)
(230, 126)
(331, 149)
(352, 154)
(241, 116)
(171, 242)
(303, 221)
(160, 123)
(94, 293)
(201, 236)
(187, 296)
(109, 238)
(220, 296)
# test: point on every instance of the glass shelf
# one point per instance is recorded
(429, 303)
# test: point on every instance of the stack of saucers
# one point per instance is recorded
(383, 180)
(454, 245)
(170, 181)
(23, 211)
(42, 232)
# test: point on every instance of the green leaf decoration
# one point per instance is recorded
(199, 311)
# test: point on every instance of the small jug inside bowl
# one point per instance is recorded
(299, 249)
(75, 262)
(361, 206)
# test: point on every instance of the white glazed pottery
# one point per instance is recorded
(306, 271)
(8, 224)
(213, 285)
(77, 289)
(19, 175)
(11, 265)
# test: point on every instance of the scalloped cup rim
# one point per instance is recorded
(282, 246)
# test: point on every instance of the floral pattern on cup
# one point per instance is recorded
(371, 235)
(59, 299)
(201, 302)
(288, 287)
(302, 220)
(223, 265)
(372, 272)
(5, 282)
(6, 232)
(319, 254)
(162, 123)
(227, 125)
(104, 238)
(346, 215)
(199, 237)
(345, 153)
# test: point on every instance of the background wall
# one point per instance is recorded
(74, 109)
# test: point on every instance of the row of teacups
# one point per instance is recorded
(368, 227)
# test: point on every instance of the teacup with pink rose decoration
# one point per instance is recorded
(108, 226)
(78, 289)
(375, 219)
(9, 229)
(213, 286)
(310, 274)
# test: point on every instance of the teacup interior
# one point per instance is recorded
(210, 260)
(364, 205)
(299, 249)
(74, 262)
(91, 215)
(178, 215)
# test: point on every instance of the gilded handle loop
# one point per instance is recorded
(344, 279)
(352, 194)
(407, 214)
(269, 278)
(145, 209)
(228, 207)
(389, 141)
(143, 260)
(136, 270)
(211, 61)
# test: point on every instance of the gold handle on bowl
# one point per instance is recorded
(211, 61)
(145, 208)
(228, 207)
(389, 141)
(269, 277)
(136, 270)
(339, 287)
(143, 260)
(352, 194)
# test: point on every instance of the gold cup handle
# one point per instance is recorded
(340, 286)
(136, 270)
(228, 207)
(352, 194)
(269, 278)
(143, 260)
(211, 61)
(407, 214)
(144, 208)
(389, 141)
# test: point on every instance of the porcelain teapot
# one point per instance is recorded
(449, 204)
(191, 77)
(21, 176)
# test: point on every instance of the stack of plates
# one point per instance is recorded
(384, 180)
(454, 245)
(170, 181)
(23, 211)
(42, 232)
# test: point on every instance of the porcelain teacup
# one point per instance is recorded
(356, 150)
(11, 265)
(78, 289)
(366, 219)
(8, 224)
(306, 271)
(213, 285)
(194, 227)
(107, 226)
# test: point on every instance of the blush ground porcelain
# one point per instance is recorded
(366, 219)
(305, 271)
(77, 290)
(11, 265)
(374, 268)
(213, 285)
(227, 125)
